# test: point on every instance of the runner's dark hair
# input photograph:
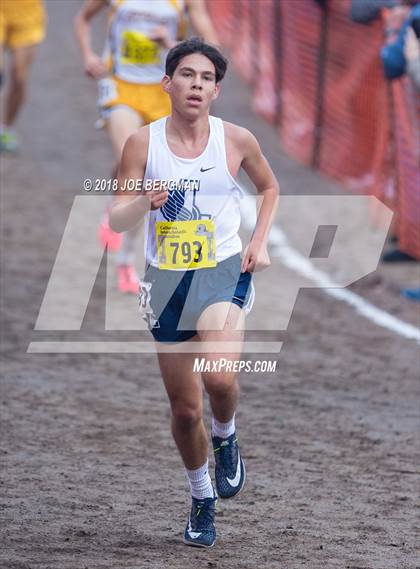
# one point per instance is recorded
(196, 45)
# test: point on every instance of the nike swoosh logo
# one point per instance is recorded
(207, 169)
(235, 481)
(193, 534)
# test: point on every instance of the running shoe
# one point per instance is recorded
(128, 279)
(230, 468)
(107, 237)
(8, 141)
(200, 530)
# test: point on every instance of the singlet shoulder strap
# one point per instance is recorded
(157, 127)
(217, 127)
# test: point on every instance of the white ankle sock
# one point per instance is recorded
(222, 430)
(200, 482)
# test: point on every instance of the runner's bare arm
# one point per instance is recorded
(94, 66)
(255, 256)
(201, 21)
(130, 206)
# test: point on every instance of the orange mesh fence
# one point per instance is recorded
(222, 13)
(318, 76)
(355, 106)
(231, 19)
(407, 119)
(264, 63)
(244, 40)
(301, 31)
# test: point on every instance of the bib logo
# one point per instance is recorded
(175, 208)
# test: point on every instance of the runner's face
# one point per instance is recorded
(193, 85)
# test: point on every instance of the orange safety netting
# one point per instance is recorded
(355, 122)
(318, 76)
(407, 120)
(244, 40)
(222, 13)
(301, 28)
(264, 63)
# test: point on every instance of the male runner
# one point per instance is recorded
(140, 33)
(22, 28)
(196, 285)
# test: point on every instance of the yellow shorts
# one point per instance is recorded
(22, 23)
(149, 101)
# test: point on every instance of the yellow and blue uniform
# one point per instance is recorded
(136, 63)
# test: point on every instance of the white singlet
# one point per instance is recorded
(134, 57)
(205, 189)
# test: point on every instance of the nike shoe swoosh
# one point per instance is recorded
(235, 481)
(193, 534)
(207, 169)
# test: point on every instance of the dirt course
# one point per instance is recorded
(91, 478)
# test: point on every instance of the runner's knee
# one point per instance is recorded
(18, 77)
(219, 383)
(186, 415)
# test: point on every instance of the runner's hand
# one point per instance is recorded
(255, 258)
(160, 35)
(95, 67)
(158, 199)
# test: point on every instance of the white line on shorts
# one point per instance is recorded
(292, 259)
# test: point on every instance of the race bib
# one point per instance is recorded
(138, 49)
(107, 91)
(186, 244)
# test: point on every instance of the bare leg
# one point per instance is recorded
(222, 387)
(1, 64)
(185, 394)
(21, 61)
(122, 123)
